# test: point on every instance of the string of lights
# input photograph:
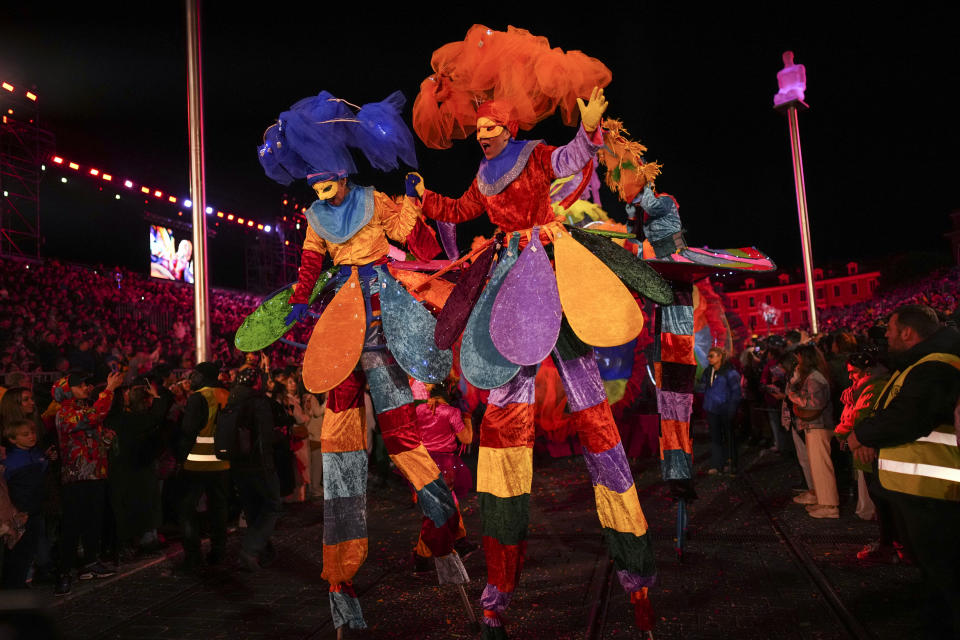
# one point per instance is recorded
(158, 194)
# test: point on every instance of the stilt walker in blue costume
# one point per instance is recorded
(373, 330)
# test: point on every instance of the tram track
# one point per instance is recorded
(853, 626)
(603, 585)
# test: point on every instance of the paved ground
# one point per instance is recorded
(749, 571)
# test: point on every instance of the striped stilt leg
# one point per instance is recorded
(344, 451)
(504, 475)
(624, 527)
(393, 404)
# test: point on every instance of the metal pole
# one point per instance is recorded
(197, 181)
(802, 213)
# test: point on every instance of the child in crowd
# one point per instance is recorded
(24, 471)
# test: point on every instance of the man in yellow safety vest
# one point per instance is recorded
(911, 436)
(203, 472)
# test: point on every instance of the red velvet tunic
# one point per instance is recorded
(524, 203)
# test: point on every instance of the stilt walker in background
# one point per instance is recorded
(369, 331)
(665, 249)
(527, 312)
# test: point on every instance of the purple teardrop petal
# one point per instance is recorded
(456, 310)
(526, 317)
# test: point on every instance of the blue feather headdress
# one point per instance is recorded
(313, 138)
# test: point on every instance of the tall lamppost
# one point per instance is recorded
(792, 80)
(197, 181)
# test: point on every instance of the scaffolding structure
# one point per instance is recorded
(272, 259)
(24, 148)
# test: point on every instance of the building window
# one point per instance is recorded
(854, 289)
(836, 291)
(818, 274)
(786, 317)
(750, 301)
(784, 278)
(749, 283)
(753, 322)
(769, 300)
(803, 295)
(873, 286)
(734, 304)
(805, 315)
(784, 298)
(819, 293)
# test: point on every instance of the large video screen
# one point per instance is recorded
(171, 258)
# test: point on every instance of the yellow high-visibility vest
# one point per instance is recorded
(202, 456)
(929, 466)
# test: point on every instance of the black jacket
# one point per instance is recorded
(926, 400)
(139, 440)
(255, 411)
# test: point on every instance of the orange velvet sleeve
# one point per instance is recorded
(397, 219)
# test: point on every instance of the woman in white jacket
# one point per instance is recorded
(809, 394)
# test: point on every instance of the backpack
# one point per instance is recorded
(234, 436)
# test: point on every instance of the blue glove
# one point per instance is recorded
(414, 185)
(299, 310)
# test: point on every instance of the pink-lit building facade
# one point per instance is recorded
(786, 303)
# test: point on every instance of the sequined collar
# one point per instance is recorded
(337, 224)
(495, 175)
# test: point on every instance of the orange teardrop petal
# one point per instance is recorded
(337, 339)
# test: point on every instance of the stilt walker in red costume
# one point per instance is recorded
(528, 311)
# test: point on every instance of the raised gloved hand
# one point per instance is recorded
(299, 310)
(591, 112)
(414, 185)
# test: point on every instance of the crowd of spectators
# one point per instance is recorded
(940, 291)
(98, 373)
(58, 317)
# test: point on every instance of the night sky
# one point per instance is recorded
(696, 86)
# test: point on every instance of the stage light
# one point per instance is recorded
(31, 96)
(57, 160)
(144, 190)
(7, 86)
(6, 193)
(63, 180)
(298, 226)
(107, 177)
(286, 242)
(284, 203)
(94, 172)
(74, 166)
(249, 223)
(267, 228)
(187, 203)
(210, 210)
(43, 167)
(172, 199)
(230, 217)
(127, 184)
(241, 220)
(219, 214)
(117, 196)
(158, 194)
